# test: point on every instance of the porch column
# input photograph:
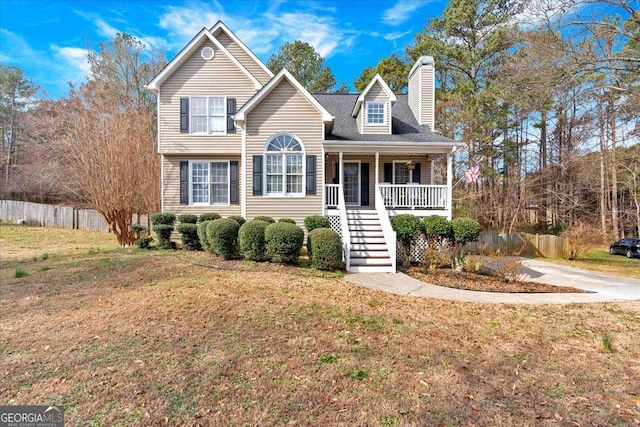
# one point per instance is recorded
(377, 172)
(450, 183)
(340, 173)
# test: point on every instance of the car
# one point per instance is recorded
(628, 247)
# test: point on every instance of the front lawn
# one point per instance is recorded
(121, 336)
(600, 260)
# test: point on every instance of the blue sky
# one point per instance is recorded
(49, 39)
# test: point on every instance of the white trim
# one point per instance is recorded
(162, 182)
(359, 162)
(208, 132)
(190, 183)
(385, 88)
(366, 113)
(186, 52)
(243, 170)
(393, 174)
(433, 168)
(302, 153)
(220, 25)
(209, 55)
(241, 114)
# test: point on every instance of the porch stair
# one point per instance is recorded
(368, 250)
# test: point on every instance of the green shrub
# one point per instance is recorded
(266, 219)
(465, 230)
(289, 220)
(316, 221)
(283, 242)
(144, 242)
(189, 236)
(164, 218)
(138, 231)
(188, 219)
(211, 216)
(202, 235)
(436, 227)
(237, 218)
(251, 238)
(326, 248)
(163, 231)
(222, 237)
(407, 228)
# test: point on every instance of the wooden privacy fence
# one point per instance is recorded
(523, 244)
(57, 216)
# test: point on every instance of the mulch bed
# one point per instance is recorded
(477, 282)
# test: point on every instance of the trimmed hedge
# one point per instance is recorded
(164, 218)
(251, 239)
(222, 237)
(465, 230)
(266, 219)
(289, 220)
(163, 231)
(327, 249)
(189, 236)
(407, 228)
(436, 227)
(237, 218)
(316, 221)
(283, 242)
(211, 216)
(188, 219)
(202, 235)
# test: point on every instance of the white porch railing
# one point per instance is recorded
(344, 228)
(413, 196)
(331, 191)
(387, 230)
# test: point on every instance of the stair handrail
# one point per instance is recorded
(344, 227)
(387, 230)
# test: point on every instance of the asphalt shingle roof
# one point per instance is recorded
(405, 127)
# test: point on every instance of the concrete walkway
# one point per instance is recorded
(605, 287)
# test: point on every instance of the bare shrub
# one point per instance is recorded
(581, 237)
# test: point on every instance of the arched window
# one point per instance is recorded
(284, 161)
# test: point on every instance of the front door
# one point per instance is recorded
(351, 182)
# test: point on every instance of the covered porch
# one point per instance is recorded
(388, 181)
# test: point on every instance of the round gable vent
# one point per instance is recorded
(207, 53)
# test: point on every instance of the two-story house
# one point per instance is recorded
(238, 140)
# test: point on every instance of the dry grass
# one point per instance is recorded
(124, 337)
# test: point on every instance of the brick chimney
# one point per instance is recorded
(422, 91)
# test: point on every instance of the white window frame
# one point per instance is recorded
(393, 178)
(208, 115)
(384, 113)
(342, 180)
(209, 183)
(302, 153)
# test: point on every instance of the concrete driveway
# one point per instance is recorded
(603, 287)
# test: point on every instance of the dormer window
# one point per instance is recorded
(375, 113)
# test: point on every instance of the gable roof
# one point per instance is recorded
(241, 114)
(186, 52)
(405, 127)
(219, 26)
(376, 79)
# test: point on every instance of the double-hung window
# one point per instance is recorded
(284, 160)
(209, 183)
(401, 173)
(375, 113)
(208, 115)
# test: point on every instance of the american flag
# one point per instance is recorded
(472, 174)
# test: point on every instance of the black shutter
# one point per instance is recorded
(233, 183)
(184, 115)
(388, 173)
(336, 174)
(364, 184)
(257, 175)
(311, 174)
(184, 183)
(231, 110)
(416, 174)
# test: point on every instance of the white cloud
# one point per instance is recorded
(401, 11)
(538, 12)
(76, 66)
(14, 47)
(395, 35)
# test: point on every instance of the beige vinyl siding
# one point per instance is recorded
(425, 169)
(360, 118)
(254, 68)
(414, 93)
(376, 94)
(197, 77)
(427, 77)
(284, 110)
(171, 187)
